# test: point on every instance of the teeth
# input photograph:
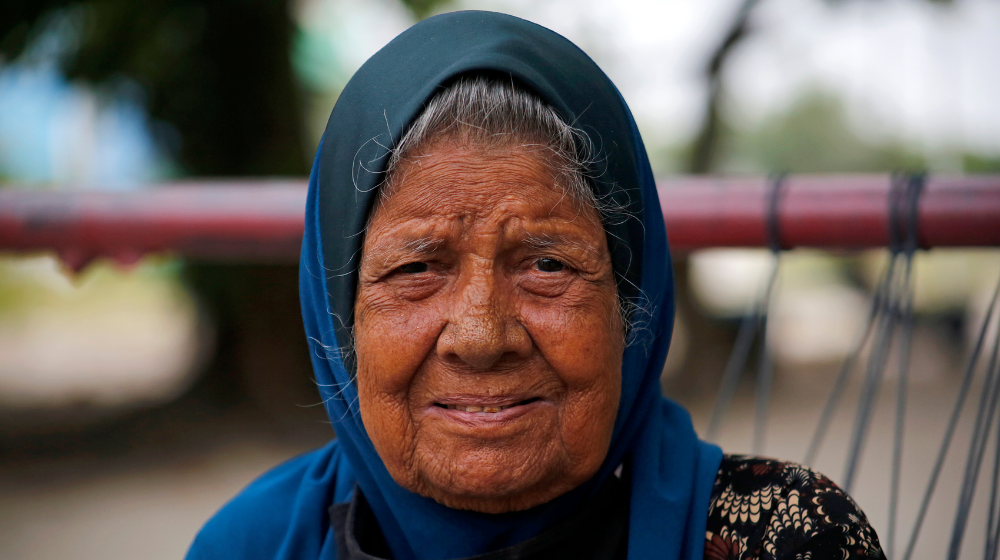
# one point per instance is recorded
(492, 409)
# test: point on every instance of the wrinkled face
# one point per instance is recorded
(488, 337)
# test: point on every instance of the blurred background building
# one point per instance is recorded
(135, 398)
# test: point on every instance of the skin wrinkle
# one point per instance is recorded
(483, 323)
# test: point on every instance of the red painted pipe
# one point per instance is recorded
(261, 221)
(255, 221)
(833, 211)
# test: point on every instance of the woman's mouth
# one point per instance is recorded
(490, 414)
(487, 408)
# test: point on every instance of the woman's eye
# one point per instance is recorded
(413, 268)
(549, 265)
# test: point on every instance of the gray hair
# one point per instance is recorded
(490, 113)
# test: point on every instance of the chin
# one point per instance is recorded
(486, 483)
(494, 501)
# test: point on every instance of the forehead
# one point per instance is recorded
(500, 189)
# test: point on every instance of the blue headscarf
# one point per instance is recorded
(284, 515)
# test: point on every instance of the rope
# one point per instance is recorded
(993, 522)
(753, 321)
(903, 200)
(885, 325)
(840, 383)
(734, 367)
(915, 188)
(977, 448)
(891, 307)
(764, 372)
(902, 384)
(963, 392)
(764, 365)
(773, 215)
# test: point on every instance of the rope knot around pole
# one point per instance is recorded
(905, 192)
(773, 223)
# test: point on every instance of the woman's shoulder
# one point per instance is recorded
(768, 509)
(255, 523)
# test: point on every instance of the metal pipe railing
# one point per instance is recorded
(831, 211)
(261, 220)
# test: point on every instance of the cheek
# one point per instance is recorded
(580, 337)
(392, 341)
(583, 344)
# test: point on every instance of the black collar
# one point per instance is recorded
(598, 531)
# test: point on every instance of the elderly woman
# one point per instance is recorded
(486, 283)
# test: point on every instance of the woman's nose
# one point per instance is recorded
(483, 330)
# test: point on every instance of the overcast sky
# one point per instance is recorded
(906, 68)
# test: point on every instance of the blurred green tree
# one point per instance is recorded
(973, 163)
(422, 9)
(218, 77)
(704, 152)
(812, 136)
(216, 71)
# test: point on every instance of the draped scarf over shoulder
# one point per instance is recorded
(283, 515)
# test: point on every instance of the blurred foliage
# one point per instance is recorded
(216, 72)
(424, 8)
(705, 151)
(813, 136)
(980, 164)
(218, 77)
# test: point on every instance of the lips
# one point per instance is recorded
(487, 408)
(487, 417)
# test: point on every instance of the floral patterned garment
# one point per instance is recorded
(770, 510)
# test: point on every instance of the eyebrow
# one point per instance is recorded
(548, 240)
(423, 245)
(544, 240)
(419, 245)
